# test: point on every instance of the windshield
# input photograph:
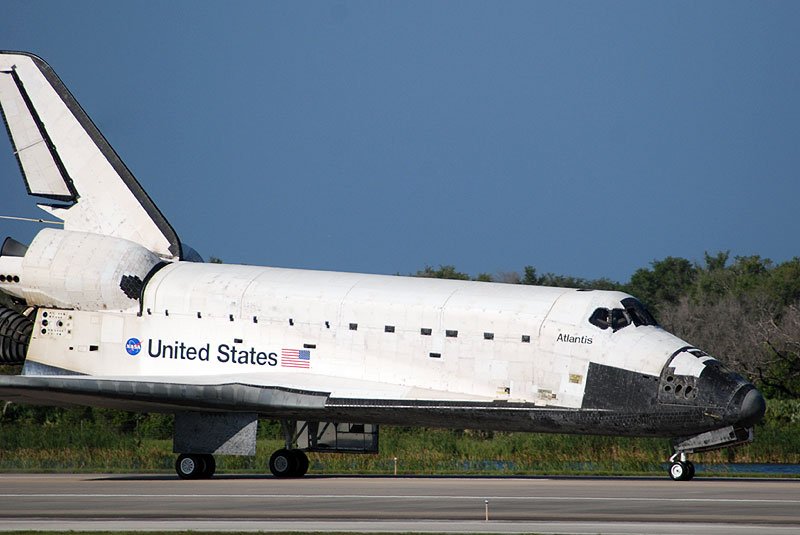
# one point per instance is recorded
(632, 311)
(638, 313)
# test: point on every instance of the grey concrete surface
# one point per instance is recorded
(422, 504)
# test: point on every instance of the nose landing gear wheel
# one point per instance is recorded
(681, 471)
(681, 468)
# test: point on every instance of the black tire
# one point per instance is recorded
(302, 463)
(679, 471)
(210, 466)
(283, 463)
(690, 467)
(190, 466)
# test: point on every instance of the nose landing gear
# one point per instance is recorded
(681, 468)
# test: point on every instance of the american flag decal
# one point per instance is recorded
(295, 358)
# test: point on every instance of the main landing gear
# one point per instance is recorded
(681, 468)
(195, 466)
(288, 463)
(283, 463)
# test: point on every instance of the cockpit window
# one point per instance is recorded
(619, 318)
(638, 313)
(600, 318)
(616, 318)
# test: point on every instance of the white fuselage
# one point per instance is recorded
(469, 340)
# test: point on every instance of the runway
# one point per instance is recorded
(421, 504)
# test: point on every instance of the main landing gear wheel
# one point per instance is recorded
(210, 468)
(288, 463)
(681, 470)
(302, 462)
(195, 466)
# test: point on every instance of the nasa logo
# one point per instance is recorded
(133, 346)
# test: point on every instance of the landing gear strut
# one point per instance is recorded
(195, 466)
(681, 468)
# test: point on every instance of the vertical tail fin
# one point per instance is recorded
(64, 158)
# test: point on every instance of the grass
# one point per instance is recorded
(419, 451)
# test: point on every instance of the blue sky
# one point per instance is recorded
(582, 138)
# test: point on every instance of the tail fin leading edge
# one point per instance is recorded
(64, 157)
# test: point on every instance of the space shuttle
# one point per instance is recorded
(113, 310)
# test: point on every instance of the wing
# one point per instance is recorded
(154, 394)
(286, 396)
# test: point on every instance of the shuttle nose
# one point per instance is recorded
(752, 408)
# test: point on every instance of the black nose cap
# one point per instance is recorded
(752, 409)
